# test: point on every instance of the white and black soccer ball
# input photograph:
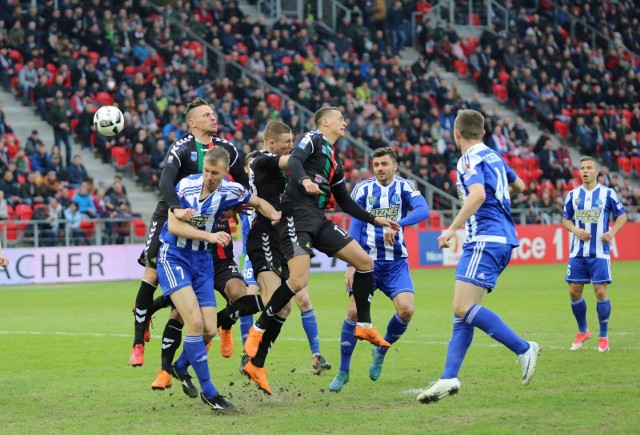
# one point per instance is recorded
(108, 121)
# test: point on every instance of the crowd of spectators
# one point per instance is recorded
(125, 53)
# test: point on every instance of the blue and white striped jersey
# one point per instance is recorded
(492, 221)
(391, 202)
(590, 210)
(208, 210)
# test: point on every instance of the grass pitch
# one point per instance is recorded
(64, 352)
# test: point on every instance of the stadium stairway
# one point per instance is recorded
(23, 120)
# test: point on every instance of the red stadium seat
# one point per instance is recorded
(104, 98)
(139, 228)
(561, 128)
(87, 227)
(23, 212)
(635, 164)
(624, 164)
(461, 67)
(500, 92)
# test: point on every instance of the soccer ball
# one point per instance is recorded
(108, 120)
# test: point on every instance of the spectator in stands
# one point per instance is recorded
(4, 207)
(40, 159)
(27, 79)
(32, 143)
(58, 117)
(73, 220)
(42, 96)
(84, 201)
(142, 166)
(85, 126)
(76, 172)
(30, 191)
(57, 167)
(50, 185)
(49, 232)
(10, 187)
(117, 195)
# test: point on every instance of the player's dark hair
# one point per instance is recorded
(385, 151)
(470, 124)
(216, 154)
(323, 112)
(275, 129)
(196, 103)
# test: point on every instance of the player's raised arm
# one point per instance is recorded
(264, 208)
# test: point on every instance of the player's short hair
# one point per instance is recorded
(589, 159)
(250, 156)
(275, 129)
(323, 112)
(217, 154)
(470, 124)
(386, 151)
(196, 103)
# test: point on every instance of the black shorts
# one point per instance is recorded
(149, 255)
(264, 247)
(305, 228)
(223, 271)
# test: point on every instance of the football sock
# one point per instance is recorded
(396, 327)
(362, 294)
(579, 309)
(246, 322)
(269, 337)
(310, 325)
(182, 363)
(144, 300)
(159, 303)
(347, 344)
(461, 339)
(604, 311)
(246, 305)
(493, 325)
(281, 296)
(171, 338)
(194, 347)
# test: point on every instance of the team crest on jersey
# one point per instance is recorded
(577, 202)
(372, 200)
(395, 198)
(194, 156)
(597, 202)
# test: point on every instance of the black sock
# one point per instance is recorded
(245, 306)
(279, 299)
(159, 303)
(171, 338)
(362, 293)
(144, 301)
(268, 338)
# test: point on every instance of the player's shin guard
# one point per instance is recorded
(347, 344)
(279, 299)
(495, 328)
(579, 309)
(310, 325)
(171, 338)
(604, 311)
(461, 339)
(362, 294)
(269, 337)
(194, 347)
(396, 327)
(144, 302)
(244, 306)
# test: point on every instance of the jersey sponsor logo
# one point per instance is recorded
(319, 179)
(391, 213)
(198, 221)
(194, 156)
(589, 216)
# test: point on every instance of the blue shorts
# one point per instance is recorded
(482, 263)
(249, 277)
(583, 270)
(392, 277)
(179, 268)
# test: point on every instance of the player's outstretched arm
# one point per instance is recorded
(349, 206)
